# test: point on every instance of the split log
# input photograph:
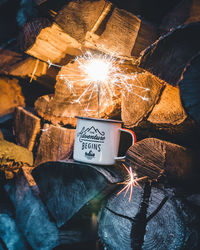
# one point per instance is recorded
(154, 158)
(76, 18)
(85, 24)
(168, 56)
(190, 88)
(76, 95)
(56, 143)
(33, 69)
(26, 128)
(10, 95)
(168, 110)
(153, 219)
(9, 56)
(66, 187)
(187, 11)
(137, 104)
(124, 35)
(52, 44)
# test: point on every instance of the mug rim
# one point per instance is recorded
(98, 119)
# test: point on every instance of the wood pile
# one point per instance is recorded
(49, 201)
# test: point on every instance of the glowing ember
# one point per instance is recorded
(102, 75)
(130, 182)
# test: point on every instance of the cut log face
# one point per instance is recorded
(190, 88)
(10, 95)
(187, 11)
(153, 158)
(56, 143)
(134, 108)
(27, 127)
(67, 187)
(169, 109)
(151, 220)
(168, 56)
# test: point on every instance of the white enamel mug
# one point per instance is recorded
(97, 140)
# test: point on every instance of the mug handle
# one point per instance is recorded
(133, 141)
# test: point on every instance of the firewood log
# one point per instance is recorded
(33, 69)
(75, 95)
(134, 107)
(187, 11)
(52, 44)
(168, 56)
(169, 109)
(26, 128)
(85, 24)
(189, 88)
(55, 143)
(68, 186)
(153, 219)
(154, 158)
(124, 35)
(10, 95)
(9, 56)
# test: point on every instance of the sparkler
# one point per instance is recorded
(130, 182)
(102, 75)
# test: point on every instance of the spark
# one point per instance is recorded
(130, 182)
(103, 75)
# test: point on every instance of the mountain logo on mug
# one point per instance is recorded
(91, 135)
(90, 155)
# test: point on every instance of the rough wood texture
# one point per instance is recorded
(134, 109)
(169, 109)
(67, 187)
(168, 56)
(30, 31)
(153, 158)
(32, 216)
(10, 95)
(124, 35)
(52, 44)
(9, 57)
(9, 150)
(13, 158)
(32, 69)
(56, 143)
(153, 219)
(187, 11)
(75, 95)
(78, 17)
(190, 88)
(26, 127)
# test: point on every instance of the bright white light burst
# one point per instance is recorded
(103, 75)
(98, 70)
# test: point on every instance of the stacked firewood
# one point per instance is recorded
(158, 52)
